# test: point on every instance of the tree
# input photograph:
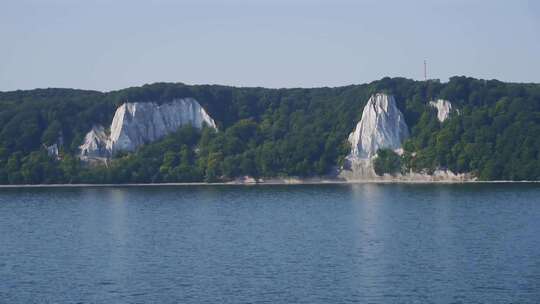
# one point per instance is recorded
(387, 161)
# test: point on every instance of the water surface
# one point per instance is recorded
(271, 244)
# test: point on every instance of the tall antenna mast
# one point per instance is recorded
(425, 70)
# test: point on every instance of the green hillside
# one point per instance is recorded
(274, 132)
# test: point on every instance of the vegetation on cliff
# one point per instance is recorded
(274, 132)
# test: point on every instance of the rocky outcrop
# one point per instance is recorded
(95, 144)
(382, 127)
(135, 124)
(52, 150)
(138, 123)
(444, 107)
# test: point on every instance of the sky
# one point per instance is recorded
(112, 44)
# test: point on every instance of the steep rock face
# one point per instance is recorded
(382, 126)
(443, 108)
(95, 144)
(52, 150)
(135, 124)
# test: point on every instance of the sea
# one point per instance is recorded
(362, 243)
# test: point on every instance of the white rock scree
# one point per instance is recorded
(138, 123)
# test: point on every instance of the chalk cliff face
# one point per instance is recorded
(95, 144)
(54, 149)
(443, 108)
(382, 126)
(135, 124)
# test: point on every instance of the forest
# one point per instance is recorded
(493, 134)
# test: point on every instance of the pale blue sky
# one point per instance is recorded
(107, 44)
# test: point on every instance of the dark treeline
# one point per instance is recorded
(275, 132)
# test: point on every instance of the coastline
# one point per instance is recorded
(269, 183)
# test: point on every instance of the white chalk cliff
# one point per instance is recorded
(443, 108)
(95, 144)
(382, 127)
(138, 123)
(53, 150)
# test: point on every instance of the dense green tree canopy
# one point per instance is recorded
(275, 132)
(387, 162)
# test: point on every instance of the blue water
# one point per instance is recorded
(271, 244)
